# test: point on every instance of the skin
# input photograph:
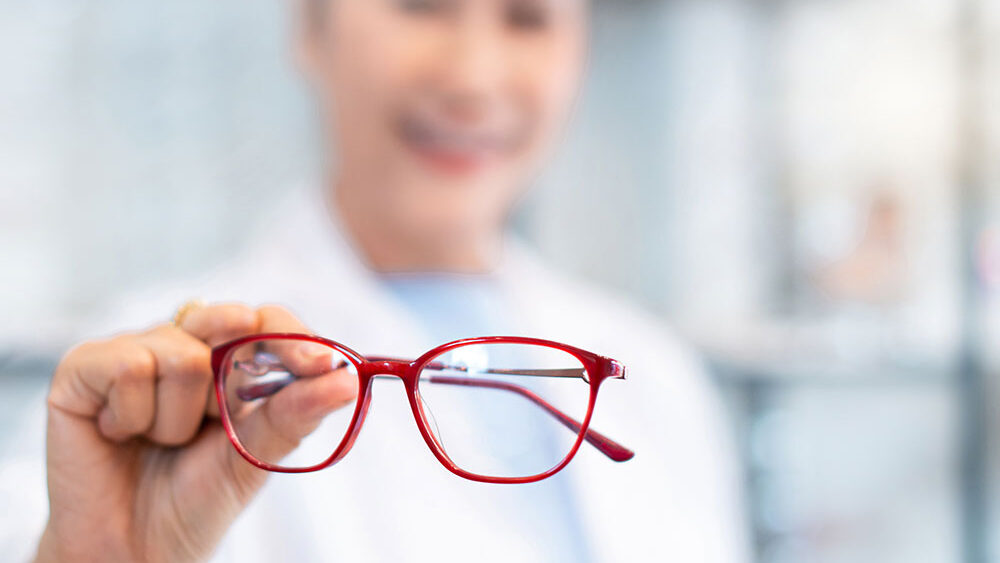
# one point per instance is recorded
(438, 112)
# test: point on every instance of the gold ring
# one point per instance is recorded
(186, 308)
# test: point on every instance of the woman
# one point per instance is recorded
(438, 112)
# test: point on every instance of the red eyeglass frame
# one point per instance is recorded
(598, 368)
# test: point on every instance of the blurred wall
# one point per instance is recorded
(138, 138)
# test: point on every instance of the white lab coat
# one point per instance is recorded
(390, 500)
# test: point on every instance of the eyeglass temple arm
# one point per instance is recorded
(579, 373)
(605, 445)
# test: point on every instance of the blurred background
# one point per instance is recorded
(808, 189)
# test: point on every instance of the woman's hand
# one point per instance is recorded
(139, 468)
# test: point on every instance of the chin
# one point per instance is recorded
(454, 210)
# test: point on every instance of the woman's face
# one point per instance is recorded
(439, 110)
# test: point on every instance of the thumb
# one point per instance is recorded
(295, 385)
(278, 424)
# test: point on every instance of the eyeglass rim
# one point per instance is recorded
(598, 368)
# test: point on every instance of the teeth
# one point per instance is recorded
(440, 138)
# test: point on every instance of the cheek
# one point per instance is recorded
(548, 83)
(372, 60)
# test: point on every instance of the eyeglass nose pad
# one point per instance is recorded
(356, 428)
(427, 415)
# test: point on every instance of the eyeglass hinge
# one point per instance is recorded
(615, 369)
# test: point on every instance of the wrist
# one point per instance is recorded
(56, 547)
(48, 548)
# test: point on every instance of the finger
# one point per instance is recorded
(277, 426)
(302, 358)
(260, 369)
(251, 360)
(298, 358)
(184, 376)
(131, 405)
(217, 324)
(111, 380)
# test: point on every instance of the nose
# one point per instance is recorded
(474, 69)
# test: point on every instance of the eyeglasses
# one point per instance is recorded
(492, 409)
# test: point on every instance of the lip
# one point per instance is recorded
(451, 151)
(450, 162)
